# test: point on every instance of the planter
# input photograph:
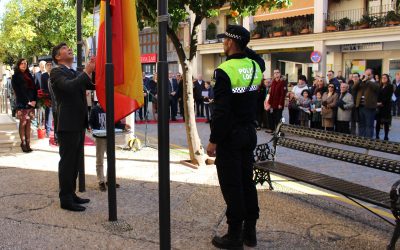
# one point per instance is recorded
(363, 26)
(305, 31)
(392, 23)
(41, 133)
(256, 36)
(289, 33)
(330, 28)
(278, 34)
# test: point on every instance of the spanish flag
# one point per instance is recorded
(128, 83)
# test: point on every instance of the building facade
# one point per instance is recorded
(349, 36)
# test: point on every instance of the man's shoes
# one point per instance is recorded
(79, 200)
(116, 185)
(72, 207)
(228, 242)
(102, 187)
(250, 237)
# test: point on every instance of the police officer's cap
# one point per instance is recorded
(237, 33)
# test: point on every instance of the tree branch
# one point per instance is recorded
(193, 37)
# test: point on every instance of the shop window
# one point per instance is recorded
(394, 67)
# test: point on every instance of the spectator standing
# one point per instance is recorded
(276, 99)
(319, 87)
(354, 110)
(143, 110)
(316, 119)
(293, 109)
(45, 89)
(366, 93)
(173, 97)
(263, 120)
(153, 95)
(396, 97)
(384, 115)
(333, 80)
(345, 105)
(26, 97)
(208, 101)
(340, 76)
(97, 121)
(304, 104)
(198, 87)
(38, 75)
(301, 85)
(329, 100)
(179, 79)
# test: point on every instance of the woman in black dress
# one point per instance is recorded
(26, 97)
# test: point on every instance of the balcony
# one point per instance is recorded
(284, 27)
(363, 18)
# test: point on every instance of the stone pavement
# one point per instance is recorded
(30, 217)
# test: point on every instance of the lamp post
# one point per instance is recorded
(163, 129)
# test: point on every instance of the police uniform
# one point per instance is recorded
(233, 130)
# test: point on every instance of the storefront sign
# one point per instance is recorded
(362, 47)
(315, 57)
(148, 58)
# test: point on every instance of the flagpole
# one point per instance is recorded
(112, 194)
(163, 129)
(81, 170)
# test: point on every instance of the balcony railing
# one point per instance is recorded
(284, 27)
(373, 17)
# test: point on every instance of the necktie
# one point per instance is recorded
(172, 86)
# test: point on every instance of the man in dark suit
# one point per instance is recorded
(44, 86)
(38, 75)
(70, 92)
(198, 88)
(173, 97)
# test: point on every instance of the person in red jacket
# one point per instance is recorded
(276, 99)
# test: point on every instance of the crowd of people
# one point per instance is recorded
(203, 96)
(335, 104)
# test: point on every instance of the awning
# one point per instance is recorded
(298, 8)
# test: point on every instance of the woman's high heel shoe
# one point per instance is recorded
(24, 148)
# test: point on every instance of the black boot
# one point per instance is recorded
(249, 234)
(232, 240)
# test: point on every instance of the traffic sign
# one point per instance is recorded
(315, 57)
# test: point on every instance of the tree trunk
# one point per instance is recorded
(196, 150)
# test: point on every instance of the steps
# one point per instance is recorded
(9, 136)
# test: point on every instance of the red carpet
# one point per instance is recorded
(88, 140)
(179, 120)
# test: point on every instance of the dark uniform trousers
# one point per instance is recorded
(235, 173)
(72, 158)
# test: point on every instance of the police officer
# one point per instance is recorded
(233, 136)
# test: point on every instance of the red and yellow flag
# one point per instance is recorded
(128, 83)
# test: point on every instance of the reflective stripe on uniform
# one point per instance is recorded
(244, 89)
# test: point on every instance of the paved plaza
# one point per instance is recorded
(295, 216)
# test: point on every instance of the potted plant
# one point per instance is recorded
(355, 25)
(392, 18)
(365, 22)
(288, 30)
(258, 31)
(297, 26)
(344, 23)
(278, 31)
(330, 25)
(211, 31)
(270, 31)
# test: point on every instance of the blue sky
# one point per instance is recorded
(2, 6)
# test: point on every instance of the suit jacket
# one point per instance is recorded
(38, 79)
(173, 87)
(197, 89)
(370, 90)
(70, 92)
(44, 82)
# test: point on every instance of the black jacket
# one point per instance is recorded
(70, 92)
(230, 111)
(23, 92)
(385, 97)
(197, 90)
